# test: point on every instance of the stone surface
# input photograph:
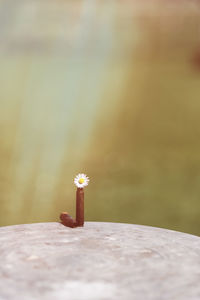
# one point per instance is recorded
(99, 261)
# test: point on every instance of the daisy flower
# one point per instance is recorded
(81, 180)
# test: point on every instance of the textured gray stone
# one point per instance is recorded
(99, 261)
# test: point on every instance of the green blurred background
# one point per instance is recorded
(108, 88)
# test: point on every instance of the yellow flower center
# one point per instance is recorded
(81, 180)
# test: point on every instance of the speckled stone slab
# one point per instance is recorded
(99, 261)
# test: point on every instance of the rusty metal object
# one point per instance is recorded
(67, 220)
(80, 207)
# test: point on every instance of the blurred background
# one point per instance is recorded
(107, 88)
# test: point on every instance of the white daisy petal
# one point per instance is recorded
(81, 180)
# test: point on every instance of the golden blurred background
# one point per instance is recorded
(108, 88)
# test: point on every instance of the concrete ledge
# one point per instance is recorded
(99, 261)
